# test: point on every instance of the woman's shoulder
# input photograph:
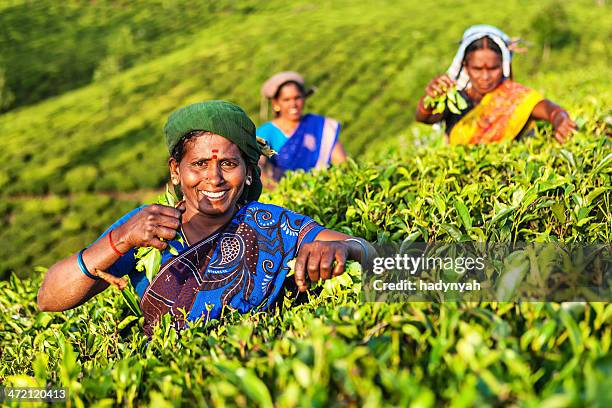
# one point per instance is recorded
(320, 119)
(314, 117)
(257, 205)
(270, 132)
(515, 86)
(272, 210)
(268, 129)
(266, 125)
(518, 92)
(273, 135)
(268, 217)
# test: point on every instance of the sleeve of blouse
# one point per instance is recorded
(308, 231)
(264, 132)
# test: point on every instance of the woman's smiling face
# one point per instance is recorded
(290, 102)
(212, 175)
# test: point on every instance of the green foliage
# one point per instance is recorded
(39, 231)
(371, 66)
(452, 100)
(6, 96)
(534, 190)
(73, 164)
(120, 47)
(552, 25)
(332, 349)
(49, 48)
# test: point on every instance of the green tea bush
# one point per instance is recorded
(332, 349)
(41, 40)
(552, 26)
(372, 65)
(73, 164)
(6, 95)
(529, 191)
(41, 231)
(81, 178)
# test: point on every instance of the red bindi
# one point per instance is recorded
(214, 156)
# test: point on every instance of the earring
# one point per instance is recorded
(249, 180)
(175, 182)
(277, 109)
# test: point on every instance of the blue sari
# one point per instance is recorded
(242, 265)
(309, 147)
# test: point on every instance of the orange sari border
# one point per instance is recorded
(499, 117)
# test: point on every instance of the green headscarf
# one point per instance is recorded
(224, 119)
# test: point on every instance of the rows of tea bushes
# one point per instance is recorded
(336, 349)
(332, 349)
(106, 137)
(535, 190)
(42, 40)
(532, 191)
(74, 163)
(369, 61)
(41, 231)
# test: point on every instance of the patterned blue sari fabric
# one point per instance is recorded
(309, 147)
(242, 265)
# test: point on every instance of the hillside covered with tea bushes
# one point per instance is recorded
(331, 350)
(536, 190)
(66, 158)
(331, 347)
(85, 88)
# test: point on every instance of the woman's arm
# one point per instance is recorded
(65, 286)
(436, 87)
(338, 154)
(563, 125)
(316, 258)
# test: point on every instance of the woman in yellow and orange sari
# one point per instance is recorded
(497, 109)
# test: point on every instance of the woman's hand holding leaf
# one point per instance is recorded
(149, 227)
(438, 86)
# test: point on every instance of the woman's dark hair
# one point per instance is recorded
(484, 43)
(179, 149)
(300, 87)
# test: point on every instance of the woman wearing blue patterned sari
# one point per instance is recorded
(302, 141)
(232, 250)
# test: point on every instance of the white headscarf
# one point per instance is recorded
(474, 33)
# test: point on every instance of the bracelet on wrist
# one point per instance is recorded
(422, 109)
(110, 240)
(363, 247)
(82, 266)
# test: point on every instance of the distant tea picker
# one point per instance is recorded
(489, 106)
(301, 141)
(219, 245)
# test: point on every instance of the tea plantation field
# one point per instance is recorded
(81, 144)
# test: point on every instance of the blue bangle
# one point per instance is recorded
(82, 266)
